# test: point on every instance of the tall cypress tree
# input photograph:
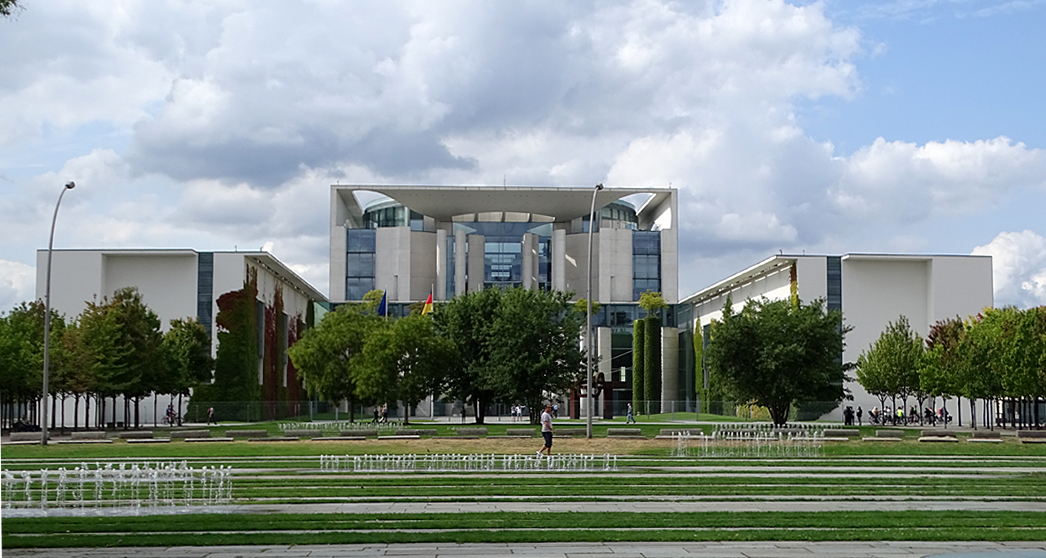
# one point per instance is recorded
(638, 364)
(652, 359)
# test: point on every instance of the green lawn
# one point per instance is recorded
(647, 470)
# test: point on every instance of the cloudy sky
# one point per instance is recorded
(912, 126)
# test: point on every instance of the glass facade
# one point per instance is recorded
(393, 215)
(646, 262)
(205, 290)
(359, 263)
(503, 252)
(835, 283)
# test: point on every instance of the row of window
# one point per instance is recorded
(503, 262)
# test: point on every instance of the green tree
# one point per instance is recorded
(187, 350)
(979, 362)
(638, 365)
(77, 372)
(8, 8)
(652, 302)
(99, 346)
(940, 371)
(122, 342)
(403, 362)
(327, 357)
(22, 354)
(139, 332)
(892, 364)
(776, 354)
(533, 346)
(466, 321)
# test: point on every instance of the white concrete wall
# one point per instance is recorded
(460, 262)
(167, 282)
(669, 367)
(441, 264)
(476, 262)
(670, 265)
(576, 260)
(614, 275)
(392, 262)
(529, 261)
(422, 264)
(336, 288)
(876, 292)
(77, 276)
(812, 278)
(773, 286)
(961, 286)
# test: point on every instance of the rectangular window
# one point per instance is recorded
(646, 262)
(205, 290)
(360, 240)
(359, 263)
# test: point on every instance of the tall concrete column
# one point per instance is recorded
(559, 259)
(441, 264)
(529, 256)
(476, 261)
(460, 263)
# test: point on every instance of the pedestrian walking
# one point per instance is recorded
(628, 415)
(546, 431)
(210, 416)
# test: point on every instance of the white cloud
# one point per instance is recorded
(901, 182)
(1018, 268)
(232, 119)
(17, 284)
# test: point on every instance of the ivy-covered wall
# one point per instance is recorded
(245, 322)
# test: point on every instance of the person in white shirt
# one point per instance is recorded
(546, 431)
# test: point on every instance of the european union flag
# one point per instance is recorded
(383, 307)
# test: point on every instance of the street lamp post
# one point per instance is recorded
(47, 315)
(588, 327)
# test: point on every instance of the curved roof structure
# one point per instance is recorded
(445, 202)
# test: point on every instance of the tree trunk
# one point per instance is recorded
(973, 414)
(179, 409)
(406, 413)
(54, 409)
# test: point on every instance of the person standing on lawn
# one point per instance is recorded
(546, 431)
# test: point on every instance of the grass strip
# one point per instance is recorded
(519, 527)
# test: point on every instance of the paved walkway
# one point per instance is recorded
(574, 550)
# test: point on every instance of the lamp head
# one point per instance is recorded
(599, 186)
(70, 185)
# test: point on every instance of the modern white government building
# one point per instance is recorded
(413, 241)
(410, 241)
(871, 290)
(178, 284)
